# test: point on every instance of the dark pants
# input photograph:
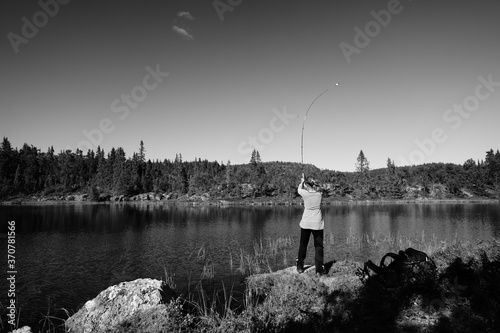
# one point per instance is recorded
(305, 234)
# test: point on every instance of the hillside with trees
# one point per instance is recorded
(31, 174)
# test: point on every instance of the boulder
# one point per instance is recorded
(466, 193)
(195, 197)
(143, 196)
(118, 198)
(81, 197)
(24, 329)
(117, 305)
(104, 197)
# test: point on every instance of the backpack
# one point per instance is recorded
(408, 266)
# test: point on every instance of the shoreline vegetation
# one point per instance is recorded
(244, 202)
(462, 296)
(28, 175)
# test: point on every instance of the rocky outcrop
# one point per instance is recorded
(150, 196)
(76, 197)
(24, 329)
(203, 197)
(104, 197)
(113, 308)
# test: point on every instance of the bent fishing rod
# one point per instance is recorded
(303, 124)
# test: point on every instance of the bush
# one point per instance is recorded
(169, 317)
(282, 302)
(93, 193)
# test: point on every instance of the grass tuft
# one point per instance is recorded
(463, 295)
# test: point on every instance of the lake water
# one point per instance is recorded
(67, 254)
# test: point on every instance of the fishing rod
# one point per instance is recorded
(303, 124)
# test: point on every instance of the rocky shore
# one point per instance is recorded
(119, 306)
(206, 199)
(462, 296)
(149, 198)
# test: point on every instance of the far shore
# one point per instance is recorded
(250, 201)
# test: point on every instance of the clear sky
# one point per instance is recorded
(419, 80)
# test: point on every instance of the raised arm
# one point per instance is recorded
(301, 185)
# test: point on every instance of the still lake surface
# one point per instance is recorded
(67, 254)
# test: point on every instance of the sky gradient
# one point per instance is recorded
(419, 80)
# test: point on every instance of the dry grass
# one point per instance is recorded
(380, 244)
(463, 296)
(264, 256)
(285, 301)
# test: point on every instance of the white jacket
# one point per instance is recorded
(312, 217)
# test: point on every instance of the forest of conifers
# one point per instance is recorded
(28, 171)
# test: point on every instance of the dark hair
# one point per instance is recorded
(310, 182)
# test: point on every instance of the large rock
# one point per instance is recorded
(116, 305)
(81, 197)
(146, 197)
(104, 197)
(24, 329)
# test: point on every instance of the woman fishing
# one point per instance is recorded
(311, 223)
(312, 219)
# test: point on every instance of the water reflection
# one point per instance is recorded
(67, 254)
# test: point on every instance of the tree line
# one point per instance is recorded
(29, 171)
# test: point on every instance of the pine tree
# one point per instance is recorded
(30, 167)
(492, 164)
(362, 164)
(120, 179)
(17, 178)
(391, 167)
(180, 184)
(392, 180)
(361, 184)
(229, 173)
(6, 159)
(147, 177)
(102, 177)
(142, 152)
(136, 171)
(255, 157)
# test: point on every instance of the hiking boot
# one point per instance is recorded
(300, 266)
(320, 269)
